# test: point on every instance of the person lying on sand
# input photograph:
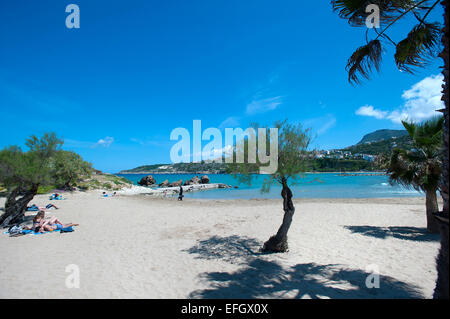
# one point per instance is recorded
(41, 224)
(104, 194)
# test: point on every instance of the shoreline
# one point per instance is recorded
(209, 173)
(136, 190)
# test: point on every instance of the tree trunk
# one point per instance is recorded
(432, 208)
(441, 289)
(279, 243)
(15, 208)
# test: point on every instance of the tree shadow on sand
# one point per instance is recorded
(233, 249)
(260, 278)
(400, 232)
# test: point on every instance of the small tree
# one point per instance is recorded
(23, 172)
(70, 169)
(421, 167)
(293, 142)
(44, 164)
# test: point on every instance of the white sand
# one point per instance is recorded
(142, 247)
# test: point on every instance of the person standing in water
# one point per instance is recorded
(180, 195)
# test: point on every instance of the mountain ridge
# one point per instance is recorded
(375, 143)
(380, 135)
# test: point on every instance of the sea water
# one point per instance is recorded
(311, 185)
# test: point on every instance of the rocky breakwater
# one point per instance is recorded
(167, 188)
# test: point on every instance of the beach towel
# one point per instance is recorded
(34, 208)
(29, 231)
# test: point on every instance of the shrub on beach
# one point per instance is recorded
(40, 168)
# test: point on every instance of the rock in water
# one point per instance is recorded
(177, 183)
(164, 184)
(147, 181)
(205, 179)
(193, 181)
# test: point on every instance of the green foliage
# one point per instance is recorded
(70, 169)
(420, 45)
(44, 165)
(381, 147)
(420, 167)
(32, 168)
(337, 164)
(46, 189)
(106, 186)
(380, 135)
(363, 59)
(104, 181)
(355, 10)
(293, 143)
(117, 180)
(213, 168)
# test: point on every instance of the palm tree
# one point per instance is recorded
(420, 45)
(421, 167)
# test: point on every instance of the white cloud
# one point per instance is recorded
(215, 153)
(368, 110)
(421, 102)
(104, 142)
(263, 105)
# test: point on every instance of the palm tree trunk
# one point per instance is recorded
(432, 208)
(15, 208)
(279, 242)
(442, 284)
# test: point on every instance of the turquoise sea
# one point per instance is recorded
(322, 185)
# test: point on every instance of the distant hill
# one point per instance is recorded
(384, 146)
(381, 135)
(375, 143)
(192, 168)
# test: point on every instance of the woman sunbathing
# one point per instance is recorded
(41, 224)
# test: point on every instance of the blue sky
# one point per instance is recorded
(116, 87)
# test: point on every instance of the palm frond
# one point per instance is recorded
(421, 45)
(355, 10)
(426, 135)
(410, 128)
(420, 167)
(362, 61)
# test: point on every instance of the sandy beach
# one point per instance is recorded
(136, 246)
